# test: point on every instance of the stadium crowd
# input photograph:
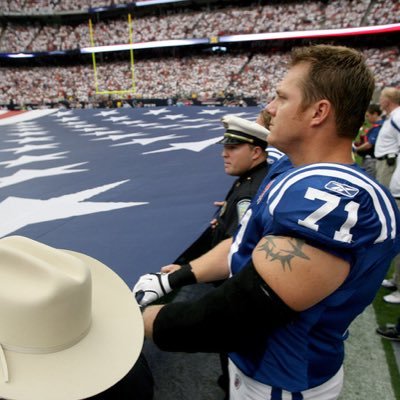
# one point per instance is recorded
(199, 77)
(52, 6)
(186, 23)
(233, 75)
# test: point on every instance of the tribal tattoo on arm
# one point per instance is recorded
(283, 253)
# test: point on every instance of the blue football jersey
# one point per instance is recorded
(341, 210)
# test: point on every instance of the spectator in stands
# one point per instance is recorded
(169, 77)
(215, 20)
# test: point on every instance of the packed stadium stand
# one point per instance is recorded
(188, 23)
(230, 72)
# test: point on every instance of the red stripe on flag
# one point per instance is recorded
(10, 114)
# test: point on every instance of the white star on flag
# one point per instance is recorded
(31, 139)
(28, 174)
(31, 147)
(22, 212)
(173, 117)
(147, 141)
(30, 159)
(119, 137)
(29, 133)
(191, 146)
(157, 112)
(211, 112)
(106, 113)
(115, 119)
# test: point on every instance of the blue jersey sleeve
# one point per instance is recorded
(276, 168)
(336, 208)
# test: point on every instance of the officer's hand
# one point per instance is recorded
(151, 287)
(214, 223)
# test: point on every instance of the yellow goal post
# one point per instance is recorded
(132, 89)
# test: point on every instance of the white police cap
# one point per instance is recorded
(240, 130)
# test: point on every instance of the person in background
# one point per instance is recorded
(310, 252)
(393, 283)
(365, 146)
(390, 331)
(386, 152)
(387, 144)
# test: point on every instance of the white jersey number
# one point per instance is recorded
(331, 202)
(239, 237)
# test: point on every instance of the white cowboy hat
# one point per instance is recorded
(70, 328)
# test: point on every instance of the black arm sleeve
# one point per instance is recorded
(182, 277)
(238, 315)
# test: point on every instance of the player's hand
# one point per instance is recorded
(167, 269)
(151, 287)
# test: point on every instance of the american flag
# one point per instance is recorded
(131, 187)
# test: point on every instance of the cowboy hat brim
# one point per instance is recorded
(98, 361)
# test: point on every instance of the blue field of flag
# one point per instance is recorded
(130, 187)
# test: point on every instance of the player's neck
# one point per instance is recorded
(337, 152)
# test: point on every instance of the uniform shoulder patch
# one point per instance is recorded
(242, 207)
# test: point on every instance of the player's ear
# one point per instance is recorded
(320, 111)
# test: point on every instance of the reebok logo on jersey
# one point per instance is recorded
(341, 188)
(260, 197)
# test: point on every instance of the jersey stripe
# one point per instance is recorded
(274, 154)
(369, 185)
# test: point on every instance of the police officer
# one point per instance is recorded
(245, 156)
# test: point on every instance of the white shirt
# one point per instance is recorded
(388, 140)
(394, 186)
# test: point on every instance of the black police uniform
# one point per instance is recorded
(236, 203)
(228, 216)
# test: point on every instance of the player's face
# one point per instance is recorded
(238, 158)
(287, 117)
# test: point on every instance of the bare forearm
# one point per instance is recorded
(213, 265)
